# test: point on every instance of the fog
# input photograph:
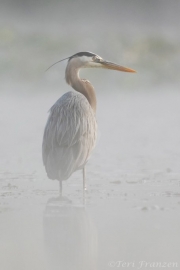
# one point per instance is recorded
(130, 218)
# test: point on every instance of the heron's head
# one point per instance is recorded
(92, 60)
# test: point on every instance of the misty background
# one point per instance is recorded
(134, 175)
(143, 34)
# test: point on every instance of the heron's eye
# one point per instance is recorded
(96, 59)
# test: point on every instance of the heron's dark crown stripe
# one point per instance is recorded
(82, 54)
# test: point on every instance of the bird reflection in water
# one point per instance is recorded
(70, 236)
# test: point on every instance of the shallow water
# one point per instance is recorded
(133, 199)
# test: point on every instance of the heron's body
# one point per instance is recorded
(69, 136)
(71, 130)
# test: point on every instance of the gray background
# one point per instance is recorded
(133, 200)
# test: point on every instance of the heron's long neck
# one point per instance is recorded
(82, 86)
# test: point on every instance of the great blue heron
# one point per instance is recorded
(71, 129)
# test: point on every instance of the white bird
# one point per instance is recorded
(71, 129)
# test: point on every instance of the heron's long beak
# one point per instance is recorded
(110, 65)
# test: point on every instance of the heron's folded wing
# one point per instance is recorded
(69, 135)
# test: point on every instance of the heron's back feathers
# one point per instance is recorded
(69, 136)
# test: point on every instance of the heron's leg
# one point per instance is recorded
(84, 184)
(60, 188)
(84, 179)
